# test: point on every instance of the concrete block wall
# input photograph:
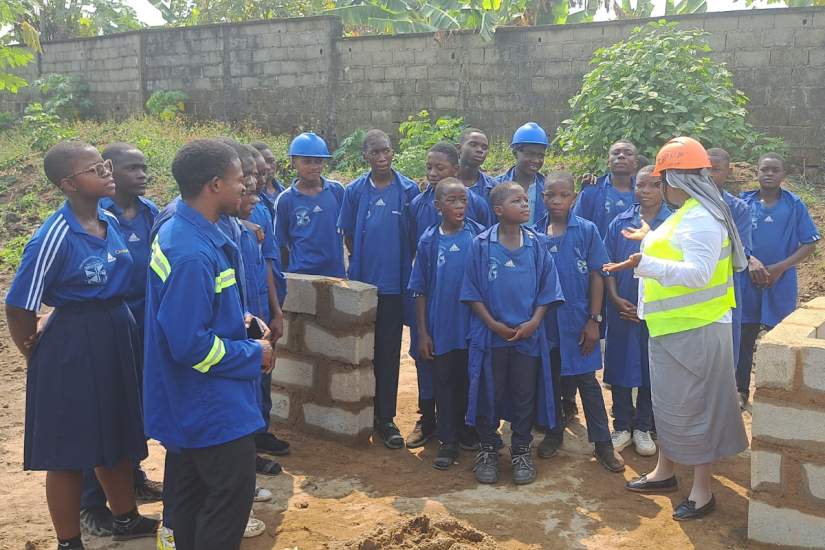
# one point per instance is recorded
(787, 504)
(323, 379)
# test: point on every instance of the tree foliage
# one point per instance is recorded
(657, 84)
(18, 38)
(200, 12)
(62, 19)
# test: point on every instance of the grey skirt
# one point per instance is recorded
(694, 395)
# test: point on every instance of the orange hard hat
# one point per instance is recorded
(681, 153)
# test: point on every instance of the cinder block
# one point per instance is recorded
(787, 423)
(766, 467)
(301, 296)
(290, 371)
(347, 348)
(813, 366)
(338, 421)
(354, 298)
(775, 365)
(815, 476)
(280, 406)
(353, 385)
(808, 318)
(784, 526)
(816, 303)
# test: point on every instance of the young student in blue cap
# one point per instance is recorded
(442, 322)
(529, 145)
(83, 405)
(377, 224)
(198, 353)
(719, 172)
(510, 283)
(626, 364)
(473, 147)
(783, 236)
(573, 329)
(135, 214)
(306, 214)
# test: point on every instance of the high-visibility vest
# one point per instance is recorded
(670, 309)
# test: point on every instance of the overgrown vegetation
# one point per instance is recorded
(167, 104)
(657, 84)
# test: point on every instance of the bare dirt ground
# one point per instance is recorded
(333, 496)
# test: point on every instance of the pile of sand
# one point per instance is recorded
(423, 533)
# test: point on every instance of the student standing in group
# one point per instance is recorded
(626, 364)
(529, 145)
(783, 236)
(306, 214)
(378, 228)
(473, 147)
(135, 215)
(573, 329)
(202, 372)
(272, 186)
(509, 284)
(82, 385)
(442, 321)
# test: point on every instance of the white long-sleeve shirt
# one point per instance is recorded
(699, 236)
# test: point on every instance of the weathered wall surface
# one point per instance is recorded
(300, 73)
(787, 504)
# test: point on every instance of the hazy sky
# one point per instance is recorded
(149, 15)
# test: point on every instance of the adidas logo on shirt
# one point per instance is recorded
(455, 248)
(769, 219)
(110, 258)
(133, 238)
(554, 249)
(619, 203)
(317, 209)
(380, 202)
(509, 263)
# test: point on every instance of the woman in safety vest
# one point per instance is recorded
(685, 271)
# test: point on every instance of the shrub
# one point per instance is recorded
(7, 120)
(348, 157)
(65, 96)
(43, 127)
(418, 134)
(655, 85)
(167, 104)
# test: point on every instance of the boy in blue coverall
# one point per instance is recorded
(442, 321)
(198, 353)
(510, 283)
(377, 225)
(136, 214)
(573, 329)
(473, 147)
(626, 364)
(783, 236)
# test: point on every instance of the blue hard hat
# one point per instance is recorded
(309, 144)
(530, 134)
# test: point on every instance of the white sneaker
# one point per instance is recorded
(620, 439)
(166, 538)
(644, 443)
(254, 527)
(262, 495)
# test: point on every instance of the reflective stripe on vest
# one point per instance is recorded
(216, 353)
(670, 309)
(224, 280)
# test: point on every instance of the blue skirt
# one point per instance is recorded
(83, 402)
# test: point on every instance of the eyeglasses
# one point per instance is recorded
(102, 168)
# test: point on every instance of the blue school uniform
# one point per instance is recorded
(535, 194)
(269, 247)
(625, 355)
(601, 202)
(136, 232)
(251, 250)
(482, 187)
(425, 214)
(307, 226)
(778, 232)
(83, 379)
(202, 375)
(437, 273)
(374, 220)
(576, 253)
(489, 279)
(742, 219)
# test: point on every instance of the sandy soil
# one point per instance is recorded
(332, 496)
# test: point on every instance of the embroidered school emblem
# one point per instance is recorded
(442, 256)
(94, 270)
(607, 206)
(302, 217)
(492, 270)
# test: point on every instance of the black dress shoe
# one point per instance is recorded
(687, 509)
(642, 485)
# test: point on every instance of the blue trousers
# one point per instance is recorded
(93, 495)
(389, 323)
(747, 345)
(626, 417)
(595, 414)
(515, 377)
(451, 386)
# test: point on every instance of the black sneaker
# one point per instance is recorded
(468, 439)
(266, 467)
(551, 444)
(136, 528)
(96, 522)
(424, 430)
(271, 445)
(149, 491)
(524, 471)
(447, 454)
(486, 466)
(608, 457)
(389, 434)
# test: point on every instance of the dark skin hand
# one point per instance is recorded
(626, 308)
(22, 328)
(499, 328)
(589, 338)
(426, 348)
(775, 271)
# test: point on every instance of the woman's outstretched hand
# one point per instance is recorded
(636, 233)
(630, 263)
